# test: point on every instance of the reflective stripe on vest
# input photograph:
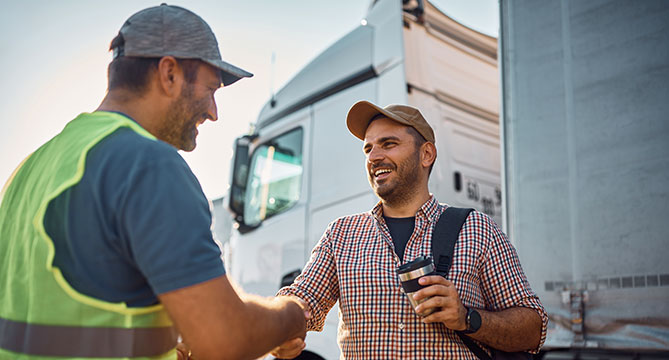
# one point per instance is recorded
(87, 342)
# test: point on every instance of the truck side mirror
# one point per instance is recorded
(240, 172)
(290, 277)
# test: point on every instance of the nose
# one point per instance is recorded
(212, 110)
(375, 155)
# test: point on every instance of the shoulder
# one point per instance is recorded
(479, 226)
(350, 226)
(480, 230)
(475, 220)
(480, 220)
(352, 221)
(126, 165)
(126, 157)
(134, 148)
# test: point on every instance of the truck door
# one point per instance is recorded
(273, 208)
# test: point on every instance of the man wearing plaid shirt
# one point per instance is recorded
(485, 295)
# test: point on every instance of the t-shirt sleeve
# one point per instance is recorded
(165, 219)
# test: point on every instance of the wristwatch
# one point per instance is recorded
(473, 321)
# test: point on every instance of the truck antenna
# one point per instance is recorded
(272, 101)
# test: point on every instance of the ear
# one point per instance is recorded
(428, 154)
(170, 76)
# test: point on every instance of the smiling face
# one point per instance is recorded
(195, 105)
(393, 161)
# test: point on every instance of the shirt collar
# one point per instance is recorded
(429, 210)
(119, 113)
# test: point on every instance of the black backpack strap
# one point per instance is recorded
(444, 236)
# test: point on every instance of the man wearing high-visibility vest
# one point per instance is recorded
(105, 242)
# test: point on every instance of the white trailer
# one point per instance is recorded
(586, 157)
(300, 169)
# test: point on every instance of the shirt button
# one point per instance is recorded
(401, 326)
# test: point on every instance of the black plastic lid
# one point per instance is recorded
(417, 263)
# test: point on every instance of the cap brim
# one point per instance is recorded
(360, 114)
(229, 73)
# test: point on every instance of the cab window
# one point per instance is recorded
(275, 179)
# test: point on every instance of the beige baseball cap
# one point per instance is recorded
(362, 112)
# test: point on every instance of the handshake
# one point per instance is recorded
(293, 347)
(241, 326)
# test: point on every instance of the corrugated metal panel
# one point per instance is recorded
(585, 120)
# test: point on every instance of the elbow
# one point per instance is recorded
(534, 333)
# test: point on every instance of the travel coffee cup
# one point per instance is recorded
(409, 274)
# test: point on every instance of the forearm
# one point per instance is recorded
(258, 326)
(219, 324)
(514, 329)
(317, 285)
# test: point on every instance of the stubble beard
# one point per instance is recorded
(404, 187)
(180, 124)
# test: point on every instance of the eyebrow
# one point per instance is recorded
(383, 139)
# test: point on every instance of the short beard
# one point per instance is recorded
(406, 187)
(180, 122)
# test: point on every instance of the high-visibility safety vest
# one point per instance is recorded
(41, 315)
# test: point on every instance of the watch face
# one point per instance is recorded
(474, 320)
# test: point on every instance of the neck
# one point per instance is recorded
(406, 208)
(140, 107)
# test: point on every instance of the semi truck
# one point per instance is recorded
(300, 168)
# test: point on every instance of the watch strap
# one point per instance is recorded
(468, 320)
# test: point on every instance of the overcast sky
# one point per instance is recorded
(54, 56)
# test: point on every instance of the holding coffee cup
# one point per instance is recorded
(409, 274)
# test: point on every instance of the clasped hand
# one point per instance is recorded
(445, 301)
(293, 347)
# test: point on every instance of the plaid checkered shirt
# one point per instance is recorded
(355, 262)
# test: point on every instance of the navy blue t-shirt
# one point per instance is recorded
(136, 225)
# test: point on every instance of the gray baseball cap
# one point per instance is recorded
(168, 30)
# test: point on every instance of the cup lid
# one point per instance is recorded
(417, 263)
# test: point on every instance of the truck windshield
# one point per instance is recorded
(275, 178)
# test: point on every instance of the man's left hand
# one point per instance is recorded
(445, 301)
